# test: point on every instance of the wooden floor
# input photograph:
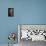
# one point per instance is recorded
(30, 43)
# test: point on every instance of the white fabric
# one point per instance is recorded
(24, 33)
(41, 32)
(37, 37)
(44, 34)
(34, 37)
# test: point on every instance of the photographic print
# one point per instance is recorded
(10, 12)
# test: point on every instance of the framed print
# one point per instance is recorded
(10, 12)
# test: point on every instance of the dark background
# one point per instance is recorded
(9, 12)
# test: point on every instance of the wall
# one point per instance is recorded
(25, 12)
